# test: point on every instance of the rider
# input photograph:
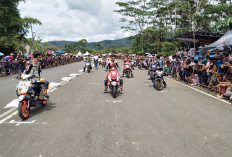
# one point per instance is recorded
(88, 60)
(111, 64)
(160, 64)
(127, 61)
(35, 71)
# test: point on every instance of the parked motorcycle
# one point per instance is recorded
(114, 81)
(29, 95)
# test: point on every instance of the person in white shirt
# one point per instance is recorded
(95, 59)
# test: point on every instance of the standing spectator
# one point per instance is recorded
(95, 58)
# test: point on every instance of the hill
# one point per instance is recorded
(125, 42)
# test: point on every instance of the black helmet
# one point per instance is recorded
(36, 54)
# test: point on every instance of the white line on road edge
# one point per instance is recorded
(51, 90)
(8, 117)
(66, 78)
(201, 91)
(73, 75)
(13, 103)
(7, 112)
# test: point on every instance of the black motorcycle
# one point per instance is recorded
(158, 80)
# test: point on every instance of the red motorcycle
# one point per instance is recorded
(114, 81)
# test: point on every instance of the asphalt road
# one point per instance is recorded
(82, 121)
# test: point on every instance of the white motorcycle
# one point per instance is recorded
(29, 95)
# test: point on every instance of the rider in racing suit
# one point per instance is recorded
(111, 64)
(34, 70)
(128, 61)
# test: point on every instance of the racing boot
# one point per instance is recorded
(106, 89)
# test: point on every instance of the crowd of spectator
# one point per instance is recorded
(19, 63)
(214, 71)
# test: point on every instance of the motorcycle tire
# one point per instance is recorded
(159, 86)
(23, 111)
(114, 92)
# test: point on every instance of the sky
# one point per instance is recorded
(73, 20)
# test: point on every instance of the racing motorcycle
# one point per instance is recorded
(113, 82)
(158, 80)
(88, 67)
(29, 95)
(127, 70)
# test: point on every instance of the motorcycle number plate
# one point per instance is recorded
(114, 83)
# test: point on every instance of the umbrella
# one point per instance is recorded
(60, 52)
(1, 54)
(29, 56)
(8, 58)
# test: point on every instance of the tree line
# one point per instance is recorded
(156, 23)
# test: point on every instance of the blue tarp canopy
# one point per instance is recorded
(59, 52)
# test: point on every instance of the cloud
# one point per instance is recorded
(74, 19)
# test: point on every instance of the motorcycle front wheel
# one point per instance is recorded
(159, 86)
(114, 92)
(23, 109)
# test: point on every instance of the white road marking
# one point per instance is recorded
(52, 90)
(19, 123)
(164, 91)
(13, 103)
(201, 92)
(8, 117)
(53, 85)
(66, 78)
(94, 83)
(73, 75)
(114, 101)
(7, 112)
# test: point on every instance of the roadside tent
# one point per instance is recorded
(218, 45)
(79, 54)
(87, 53)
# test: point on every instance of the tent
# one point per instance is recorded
(219, 45)
(79, 54)
(59, 52)
(87, 53)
